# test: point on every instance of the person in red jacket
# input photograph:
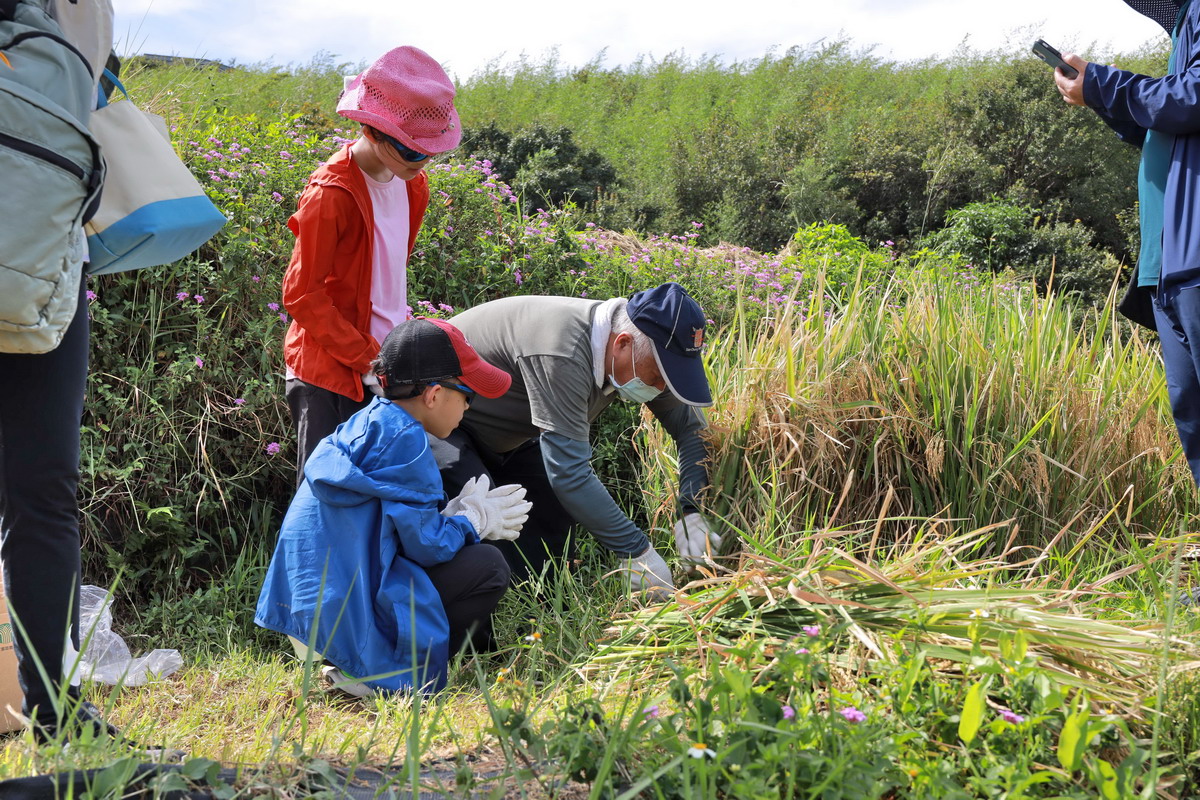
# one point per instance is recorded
(357, 220)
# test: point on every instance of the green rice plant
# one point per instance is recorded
(951, 396)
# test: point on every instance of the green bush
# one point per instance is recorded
(995, 235)
(1000, 235)
(545, 167)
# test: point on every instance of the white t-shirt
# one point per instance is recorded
(389, 262)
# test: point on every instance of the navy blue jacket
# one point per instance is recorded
(1131, 104)
(350, 554)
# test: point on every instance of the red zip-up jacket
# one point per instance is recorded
(327, 287)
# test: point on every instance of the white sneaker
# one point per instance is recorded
(341, 682)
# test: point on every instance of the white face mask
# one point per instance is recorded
(634, 390)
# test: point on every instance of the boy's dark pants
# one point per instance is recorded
(316, 413)
(41, 407)
(545, 537)
(1179, 332)
(471, 585)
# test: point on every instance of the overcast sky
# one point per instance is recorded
(465, 35)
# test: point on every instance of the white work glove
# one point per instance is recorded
(512, 508)
(469, 503)
(695, 541)
(371, 381)
(649, 576)
(496, 514)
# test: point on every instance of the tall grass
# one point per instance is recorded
(939, 397)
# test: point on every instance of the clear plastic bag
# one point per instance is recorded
(104, 656)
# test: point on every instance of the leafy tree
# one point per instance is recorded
(545, 165)
(1026, 142)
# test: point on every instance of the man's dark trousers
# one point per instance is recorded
(1179, 331)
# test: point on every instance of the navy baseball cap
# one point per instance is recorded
(1164, 12)
(671, 319)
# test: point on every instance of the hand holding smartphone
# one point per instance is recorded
(1054, 58)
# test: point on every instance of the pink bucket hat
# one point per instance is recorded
(407, 95)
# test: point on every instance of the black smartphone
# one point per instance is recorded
(1054, 58)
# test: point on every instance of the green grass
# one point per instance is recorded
(946, 503)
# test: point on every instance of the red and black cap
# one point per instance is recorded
(422, 350)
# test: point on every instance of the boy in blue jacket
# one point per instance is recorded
(368, 570)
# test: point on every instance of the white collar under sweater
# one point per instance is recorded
(601, 328)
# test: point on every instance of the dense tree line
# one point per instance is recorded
(893, 151)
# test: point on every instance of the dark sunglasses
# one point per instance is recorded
(466, 390)
(407, 153)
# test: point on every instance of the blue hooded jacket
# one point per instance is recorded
(351, 551)
(1132, 105)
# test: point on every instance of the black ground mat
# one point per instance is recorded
(169, 782)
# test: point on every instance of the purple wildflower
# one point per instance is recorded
(182, 296)
(91, 295)
(788, 712)
(199, 361)
(852, 714)
(273, 306)
(273, 448)
(1011, 717)
(240, 401)
(199, 298)
(812, 630)
(651, 712)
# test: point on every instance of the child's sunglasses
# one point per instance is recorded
(407, 153)
(458, 387)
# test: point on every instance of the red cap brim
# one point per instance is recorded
(478, 375)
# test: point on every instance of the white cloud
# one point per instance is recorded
(472, 33)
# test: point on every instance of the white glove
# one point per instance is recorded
(649, 576)
(695, 541)
(513, 510)
(496, 514)
(469, 503)
(371, 381)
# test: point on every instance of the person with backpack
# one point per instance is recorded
(355, 226)
(53, 172)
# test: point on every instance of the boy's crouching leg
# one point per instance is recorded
(471, 585)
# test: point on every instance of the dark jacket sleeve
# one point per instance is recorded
(685, 424)
(1127, 132)
(1128, 101)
